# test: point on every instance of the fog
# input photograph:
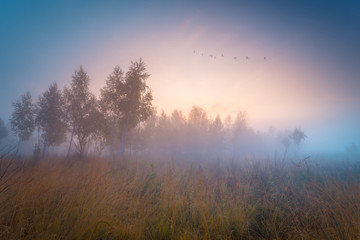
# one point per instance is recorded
(198, 137)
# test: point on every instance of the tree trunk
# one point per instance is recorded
(71, 140)
(43, 150)
(81, 148)
(123, 137)
(123, 142)
(17, 148)
(113, 140)
(82, 145)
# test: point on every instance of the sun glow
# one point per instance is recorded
(272, 85)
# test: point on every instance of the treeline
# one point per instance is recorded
(123, 120)
(75, 113)
(198, 135)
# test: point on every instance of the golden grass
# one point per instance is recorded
(140, 199)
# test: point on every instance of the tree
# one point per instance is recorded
(22, 119)
(111, 99)
(216, 137)
(198, 126)
(81, 111)
(298, 136)
(240, 123)
(3, 130)
(127, 100)
(216, 126)
(198, 117)
(50, 117)
(137, 106)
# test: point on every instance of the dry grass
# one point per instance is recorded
(139, 199)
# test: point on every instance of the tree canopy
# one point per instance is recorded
(22, 119)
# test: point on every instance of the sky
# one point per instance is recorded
(309, 79)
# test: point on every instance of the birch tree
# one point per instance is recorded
(126, 100)
(50, 117)
(22, 119)
(81, 111)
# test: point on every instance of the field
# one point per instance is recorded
(158, 199)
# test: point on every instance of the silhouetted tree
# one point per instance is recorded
(22, 119)
(81, 111)
(50, 117)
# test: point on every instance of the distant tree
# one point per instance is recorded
(198, 126)
(198, 117)
(127, 101)
(3, 130)
(50, 117)
(286, 142)
(22, 119)
(82, 112)
(240, 123)
(298, 136)
(217, 125)
(164, 138)
(216, 135)
(228, 122)
(294, 137)
(178, 119)
(149, 131)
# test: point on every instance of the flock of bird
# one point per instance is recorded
(222, 55)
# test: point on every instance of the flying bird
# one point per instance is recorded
(222, 55)
(247, 57)
(235, 58)
(264, 58)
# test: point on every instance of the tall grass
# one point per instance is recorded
(149, 199)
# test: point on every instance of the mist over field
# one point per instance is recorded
(179, 120)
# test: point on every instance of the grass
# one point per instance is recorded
(153, 199)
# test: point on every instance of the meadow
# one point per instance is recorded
(140, 198)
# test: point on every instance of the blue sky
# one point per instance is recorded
(310, 79)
